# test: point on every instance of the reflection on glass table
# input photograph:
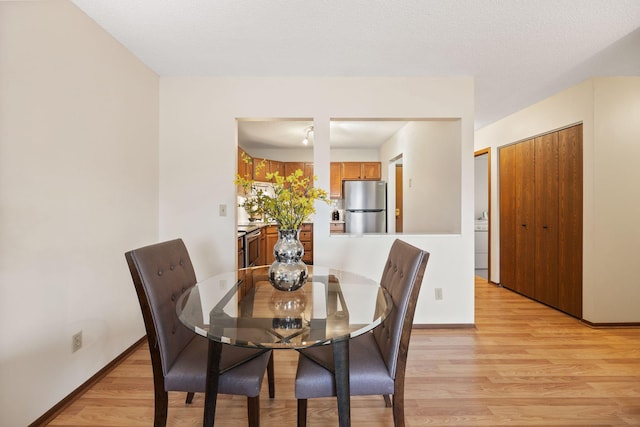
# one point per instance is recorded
(242, 308)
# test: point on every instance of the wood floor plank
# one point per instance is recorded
(523, 364)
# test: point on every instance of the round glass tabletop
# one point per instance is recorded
(242, 308)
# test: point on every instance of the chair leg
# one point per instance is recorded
(189, 398)
(253, 411)
(398, 408)
(302, 412)
(161, 406)
(271, 377)
(387, 401)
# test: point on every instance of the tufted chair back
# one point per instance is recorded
(161, 273)
(402, 278)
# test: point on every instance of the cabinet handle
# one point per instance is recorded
(545, 226)
(524, 225)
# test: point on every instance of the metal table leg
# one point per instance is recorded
(211, 387)
(341, 372)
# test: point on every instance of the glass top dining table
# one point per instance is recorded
(241, 308)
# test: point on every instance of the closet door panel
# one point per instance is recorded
(525, 242)
(507, 216)
(546, 219)
(570, 220)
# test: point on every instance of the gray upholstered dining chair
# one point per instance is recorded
(161, 273)
(377, 360)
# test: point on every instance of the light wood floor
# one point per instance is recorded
(523, 365)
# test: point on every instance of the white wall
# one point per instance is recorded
(481, 164)
(431, 162)
(614, 291)
(78, 187)
(283, 155)
(354, 155)
(609, 110)
(197, 143)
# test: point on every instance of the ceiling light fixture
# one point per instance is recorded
(308, 130)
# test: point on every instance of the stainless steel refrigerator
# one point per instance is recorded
(365, 206)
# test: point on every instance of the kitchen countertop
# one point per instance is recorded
(247, 228)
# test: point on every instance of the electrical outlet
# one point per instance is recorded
(438, 293)
(222, 210)
(76, 342)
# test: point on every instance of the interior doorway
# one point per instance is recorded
(399, 209)
(395, 197)
(482, 213)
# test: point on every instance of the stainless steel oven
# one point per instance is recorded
(252, 248)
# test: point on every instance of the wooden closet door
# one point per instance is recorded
(546, 219)
(525, 244)
(507, 175)
(570, 220)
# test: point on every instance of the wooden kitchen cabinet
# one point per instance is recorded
(240, 253)
(307, 170)
(306, 238)
(270, 166)
(541, 219)
(276, 166)
(244, 169)
(335, 180)
(361, 170)
(305, 167)
(371, 170)
(351, 170)
(336, 227)
(259, 171)
(262, 256)
(291, 167)
(271, 237)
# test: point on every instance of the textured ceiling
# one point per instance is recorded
(519, 51)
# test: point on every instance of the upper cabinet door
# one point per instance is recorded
(371, 170)
(276, 166)
(260, 172)
(308, 170)
(351, 170)
(291, 167)
(245, 169)
(335, 185)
